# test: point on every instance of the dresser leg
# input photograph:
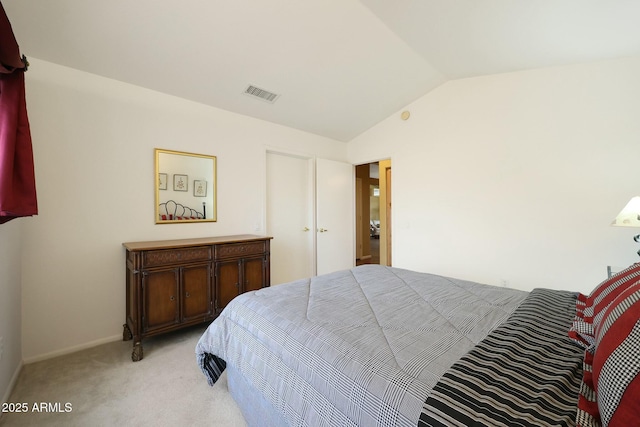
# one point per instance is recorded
(126, 333)
(136, 354)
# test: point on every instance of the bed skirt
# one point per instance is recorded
(256, 410)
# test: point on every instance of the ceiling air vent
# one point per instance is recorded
(261, 94)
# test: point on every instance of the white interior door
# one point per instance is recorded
(290, 201)
(335, 216)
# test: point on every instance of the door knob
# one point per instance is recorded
(322, 230)
(305, 229)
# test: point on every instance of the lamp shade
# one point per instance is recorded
(630, 215)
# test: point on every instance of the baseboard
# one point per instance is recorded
(73, 349)
(12, 384)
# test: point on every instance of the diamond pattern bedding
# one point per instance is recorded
(357, 347)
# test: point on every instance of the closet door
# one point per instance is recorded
(290, 207)
(335, 215)
(311, 216)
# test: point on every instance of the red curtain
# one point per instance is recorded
(17, 178)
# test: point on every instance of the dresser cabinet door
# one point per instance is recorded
(160, 296)
(227, 282)
(254, 274)
(196, 292)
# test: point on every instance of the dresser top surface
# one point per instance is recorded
(198, 241)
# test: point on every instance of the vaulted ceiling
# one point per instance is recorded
(338, 66)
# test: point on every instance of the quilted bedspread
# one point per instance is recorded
(360, 347)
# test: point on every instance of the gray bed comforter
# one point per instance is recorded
(359, 347)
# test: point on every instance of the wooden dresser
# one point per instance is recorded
(172, 284)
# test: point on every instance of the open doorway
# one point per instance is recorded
(373, 213)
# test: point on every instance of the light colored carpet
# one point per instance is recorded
(105, 388)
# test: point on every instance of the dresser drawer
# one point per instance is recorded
(175, 256)
(240, 249)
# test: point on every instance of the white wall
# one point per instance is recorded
(517, 176)
(93, 149)
(10, 303)
(509, 177)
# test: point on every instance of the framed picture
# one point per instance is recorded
(200, 188)
(180, 182)
(162, 181)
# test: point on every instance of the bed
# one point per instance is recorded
(174, 211)
(383, 346)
